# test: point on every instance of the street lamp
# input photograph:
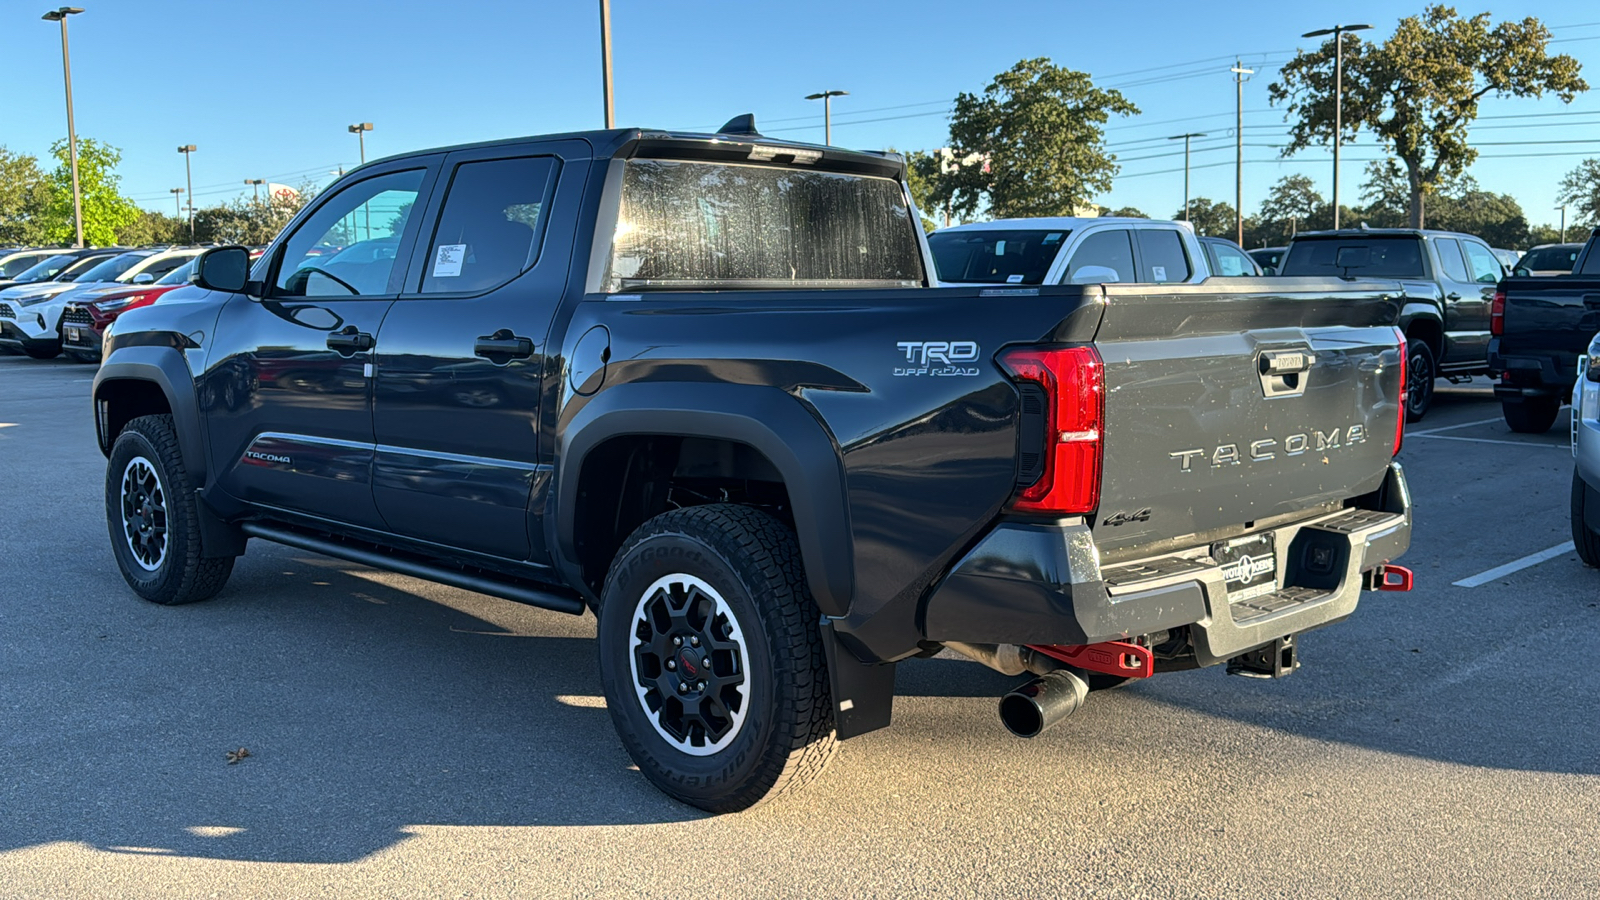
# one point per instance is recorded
(255, 186)
(827, 112)
(188, 175)
(177, 200)
(1239, 73)
(1185, 138)
(1563, 209)
(60, 15)
(360, 130)
(1338, 32)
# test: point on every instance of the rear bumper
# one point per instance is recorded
(1042, 583)
(1531, 375)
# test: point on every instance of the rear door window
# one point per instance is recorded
(489, 228)
(1485, 268)
(1449, 250)
(1112, 249)
(1162, 257)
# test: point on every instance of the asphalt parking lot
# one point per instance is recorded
(412, 740)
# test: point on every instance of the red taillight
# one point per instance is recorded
(1400, 421)
(1497, 313)
(1074, 383)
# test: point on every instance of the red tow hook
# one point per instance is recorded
(1388, 577)
(1109, 657)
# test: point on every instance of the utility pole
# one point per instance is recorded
(1563, 223)
(1338, 32)
(1186, 138)
(605, 60)
(177, 200)
(360, 130)
(255, 187)
(188, 174)
(827, 112)
(1239, 73)
(60, 15)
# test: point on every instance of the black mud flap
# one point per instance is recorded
(863, 694)
(1275, 660)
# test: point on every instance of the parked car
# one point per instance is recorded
(769, 458)
(1062, 250)
(16, 261)
(1227, 258)
(40, 327)
(1541, 326)
(1548, 259)
(1508, 258)
(1585, 507)
(57, 264)
(27, 330)
(1268, 258)
(1449, 282)
(84, 319)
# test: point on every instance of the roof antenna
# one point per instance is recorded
(741, 125)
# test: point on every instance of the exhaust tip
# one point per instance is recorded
(1031, 709)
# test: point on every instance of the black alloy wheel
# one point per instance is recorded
(1420, 376)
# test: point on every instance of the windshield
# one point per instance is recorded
(19, 263)
(45, 269)
(180, 275)
(1550, 259)
(113, 268)
(991, 256)
(695, 225)
(1361, 256)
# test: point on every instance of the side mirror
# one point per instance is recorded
(1096, 275)
(144, 278)
(222, 269)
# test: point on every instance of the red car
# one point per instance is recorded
(83, 322)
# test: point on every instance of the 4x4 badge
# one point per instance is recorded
(1123, 518)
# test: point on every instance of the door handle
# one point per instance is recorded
(502, 347)
(1452, 296)
(350, 340)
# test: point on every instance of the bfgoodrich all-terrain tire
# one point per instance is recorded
(712, 659)
(1587, 541)
(1534, 415)
(151, 514)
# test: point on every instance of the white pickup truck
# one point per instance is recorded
(1064, 250)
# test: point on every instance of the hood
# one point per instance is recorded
(22, 293)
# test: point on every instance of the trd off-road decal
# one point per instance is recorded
(937, 358)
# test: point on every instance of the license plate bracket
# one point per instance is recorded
(72, 334)
(1249, 565)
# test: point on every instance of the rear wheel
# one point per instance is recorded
(1420, 376)
(1586, 540)
(153, 520)
(711, 657)
(1533, 415)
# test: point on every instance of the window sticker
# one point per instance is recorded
(1052, 237)
(1013, 279)
(447, 260)
(1159, 273)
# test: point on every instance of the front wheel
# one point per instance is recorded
(1420, 376)
(1534, 415)
(712, 659)
(1586, 540)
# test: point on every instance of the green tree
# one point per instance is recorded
(1580, 189)
(154, 228)
(1456, 204)
(1419, 90)
(24, 196)
(1544, 234)
(1210, 217)
(1040, 130)
(105, 209)
(1292, 205)
(923, 177)
(1126, 212)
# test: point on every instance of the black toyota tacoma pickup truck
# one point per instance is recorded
(699, 385)
(1540, 326)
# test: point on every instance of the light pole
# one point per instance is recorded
(177, 200)
(360, 130)
(1185, 138)
(605, 60)
(1338, 32)
(60, 15)
(255, 186)
(188, 175)
(1239, 73)
(827, 112)
(1563, 208)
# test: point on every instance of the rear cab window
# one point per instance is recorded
(996, 256)
(706, 225)
(1356, 256)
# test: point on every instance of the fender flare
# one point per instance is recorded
(1420, 309)
(767, 419)
(165, 367)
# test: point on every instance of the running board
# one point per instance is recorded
(494, 587)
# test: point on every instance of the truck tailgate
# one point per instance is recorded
(1224, 411)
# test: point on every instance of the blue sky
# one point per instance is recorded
(265, 90)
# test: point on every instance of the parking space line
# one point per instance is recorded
(1451, 437)
(1516, 565)
(1451, 427)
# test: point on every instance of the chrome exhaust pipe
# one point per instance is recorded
(1042, 702)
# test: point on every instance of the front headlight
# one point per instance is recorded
(33, 299)
(120, 303)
